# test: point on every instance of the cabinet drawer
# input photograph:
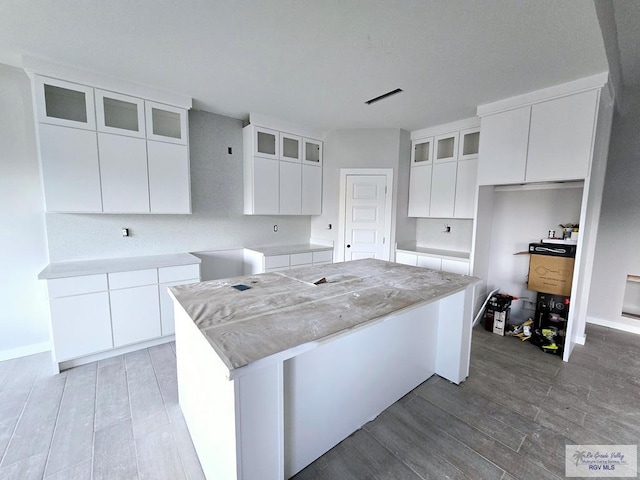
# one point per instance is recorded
(301, 258)
(323, 256)
(455, 266)
(276, 261)
(181, 272)
(406, 258)
(434, 263)
(64, 287)
(134, 278)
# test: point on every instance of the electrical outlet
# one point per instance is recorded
(275, 228)
(447, 228)
(125, 232)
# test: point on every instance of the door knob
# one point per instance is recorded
(348, 246)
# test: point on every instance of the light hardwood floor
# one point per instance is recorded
(511, 418)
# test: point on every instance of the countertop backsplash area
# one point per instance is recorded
(430, 233)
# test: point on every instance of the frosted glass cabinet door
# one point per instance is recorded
(312, 152)
(503, 147)
(469, 144)
(120, 114)
(445, 147)
(443, 189)
(422, 151)
(169, 179)
(123, 172)
(311, 190)
(290, 147)
(266, 143)
(290, 188)
(165, 123)
(420, 191)
(64, 103)
(70, 169)
(266, 189)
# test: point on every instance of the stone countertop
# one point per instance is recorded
(287, 249)
(453, 254)
(111, 265)
(284, 310)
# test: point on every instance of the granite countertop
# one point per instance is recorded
(456, 255)
(287, 249)
(284, 310)
(111, 265)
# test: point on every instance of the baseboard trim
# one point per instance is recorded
(621, 324)
(24, 351)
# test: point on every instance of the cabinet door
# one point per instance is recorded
(70, 169)
(135, 315)
(561, 138)
(123, 174)
(169, 179)
(420, 191)
(422, 151)
(433, 263)
(290, 147)
(81, 325)
(466, 189)
(166, 123)
(443, 189)
(119, 114)
(407, 258)
(455, 266)
(446, 147)
(311, 190)
(503, 147)
(312, 151)
(168, 326)
(290, 188)
(469, 144)
(64, 103)
(266, 189)
(266, 143)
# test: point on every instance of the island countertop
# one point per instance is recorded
(284, 310)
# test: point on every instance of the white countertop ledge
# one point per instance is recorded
(287, 249)
(435, 252)
(111, 265)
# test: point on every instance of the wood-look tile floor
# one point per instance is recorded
(119, 418)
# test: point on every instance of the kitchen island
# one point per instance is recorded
(273, 376)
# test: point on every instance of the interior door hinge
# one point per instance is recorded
(385, 190)
(384, 240)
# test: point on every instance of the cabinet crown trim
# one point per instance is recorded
(264, 121)
(453, 127)
(38, 66)
(584, 84)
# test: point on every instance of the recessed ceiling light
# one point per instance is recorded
(383, 96)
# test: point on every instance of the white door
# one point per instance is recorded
(365, 221)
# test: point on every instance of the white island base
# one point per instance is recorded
(272, 417)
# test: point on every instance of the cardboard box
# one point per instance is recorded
(549, 274)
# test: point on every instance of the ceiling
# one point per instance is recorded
(316, 62)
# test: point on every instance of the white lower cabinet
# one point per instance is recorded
(407, 258)
(455, 266)
(433, 262)
(259, 261)
(81, 325)
(135, 315)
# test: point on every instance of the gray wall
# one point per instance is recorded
(217, 221)
(24, 316)
(617, 251)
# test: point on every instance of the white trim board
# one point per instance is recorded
(472, 122)
(623, 323)
(24, 351)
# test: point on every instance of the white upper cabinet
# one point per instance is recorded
(169, 178)
(120, 114)
(469, 144)
(166, 123)
(561, 138)
(282, 172)
(420, 191)
(443, 190)
(503, 147)
(446, 147)
(547, 141)
(290, 148)
(466, 181)
(266, 143)
(312, 151)
(422, 151)
(64, 103)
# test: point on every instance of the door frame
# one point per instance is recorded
(388, 209)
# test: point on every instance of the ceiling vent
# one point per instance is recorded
(383, 96)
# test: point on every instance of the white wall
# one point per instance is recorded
(24, 317)
(430, 232)
(617, 252)
(364, 148)
(217, 221)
